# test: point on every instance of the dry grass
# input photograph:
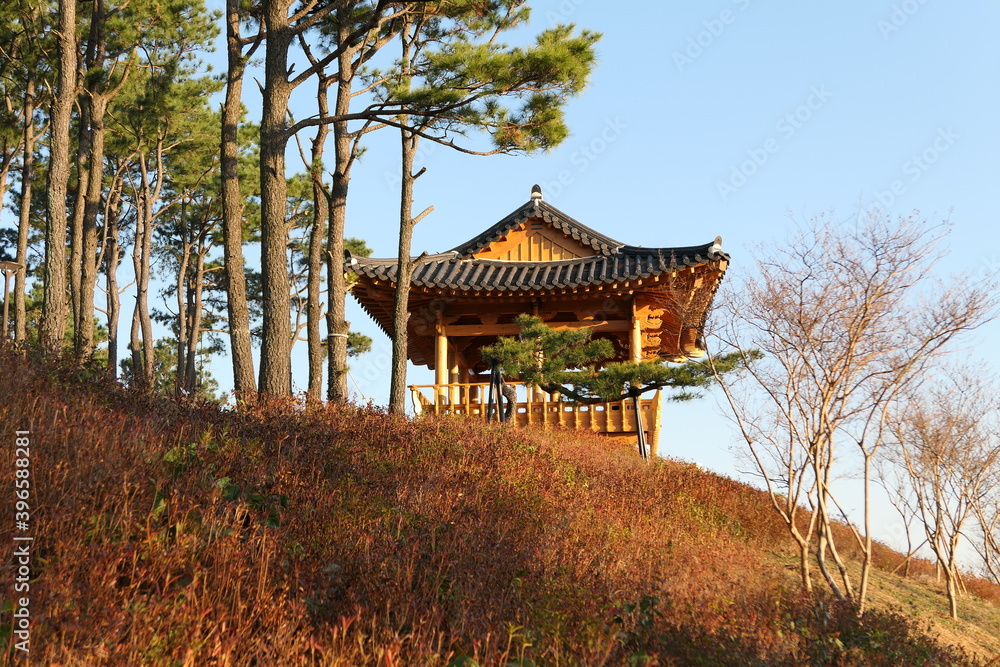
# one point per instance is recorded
(182, 535)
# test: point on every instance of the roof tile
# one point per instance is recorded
(614, 261)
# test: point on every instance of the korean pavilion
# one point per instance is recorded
(650, 302)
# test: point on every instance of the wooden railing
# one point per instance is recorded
(536, 407)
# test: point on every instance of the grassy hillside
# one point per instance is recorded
(178, 535)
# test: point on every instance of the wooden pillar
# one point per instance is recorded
(440, 362)
(635, 347)
(654, 425)
(454, 377)
(534, 392)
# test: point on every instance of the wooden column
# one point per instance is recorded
(654, 425)
(441, 362)
(454, 377)
(635, 347)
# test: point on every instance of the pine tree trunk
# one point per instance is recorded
(194, 324)
(241, 349)
(6, 294)
(24, 218)
(114, 303)
(404, 266)
(84, 241)
(53, 328)
(135, 343)
(5, 164)
(84, 335)
(147, 370)
(404, 269)
(180, 381)
(321, 212)
(83, 144)
(276, 343)
(336, 324)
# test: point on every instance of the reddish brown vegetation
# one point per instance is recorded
(344, 536)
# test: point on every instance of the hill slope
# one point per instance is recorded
(166, 534)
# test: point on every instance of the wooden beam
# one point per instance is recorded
(513, 329)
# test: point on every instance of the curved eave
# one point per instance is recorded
(448, 272)
(630, 270)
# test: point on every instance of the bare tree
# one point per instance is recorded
(847, 316)
(896, 483)
(945, 437)
(776, 452)
(988, 514)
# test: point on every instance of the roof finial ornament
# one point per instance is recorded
(716, 247)
(536, 192)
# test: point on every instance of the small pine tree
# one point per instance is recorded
(573, 364)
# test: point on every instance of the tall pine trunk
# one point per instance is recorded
(113, 300)
(240, 346)
(53, 328)
(180, 381)
(194, 321)
(83, 152)
(24, 217)
(143, 355)
(336, 317)
(276, 342)
(404, 266)
(321, 212)
(84, 335)
(404, 269)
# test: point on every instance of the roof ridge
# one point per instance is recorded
(595, 237)
(537, 208)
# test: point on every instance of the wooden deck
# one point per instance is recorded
(537, 408)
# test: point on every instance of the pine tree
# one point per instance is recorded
(456, 78)
(569, 362)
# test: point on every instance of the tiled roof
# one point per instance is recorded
(536, 208)
(452, 270)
